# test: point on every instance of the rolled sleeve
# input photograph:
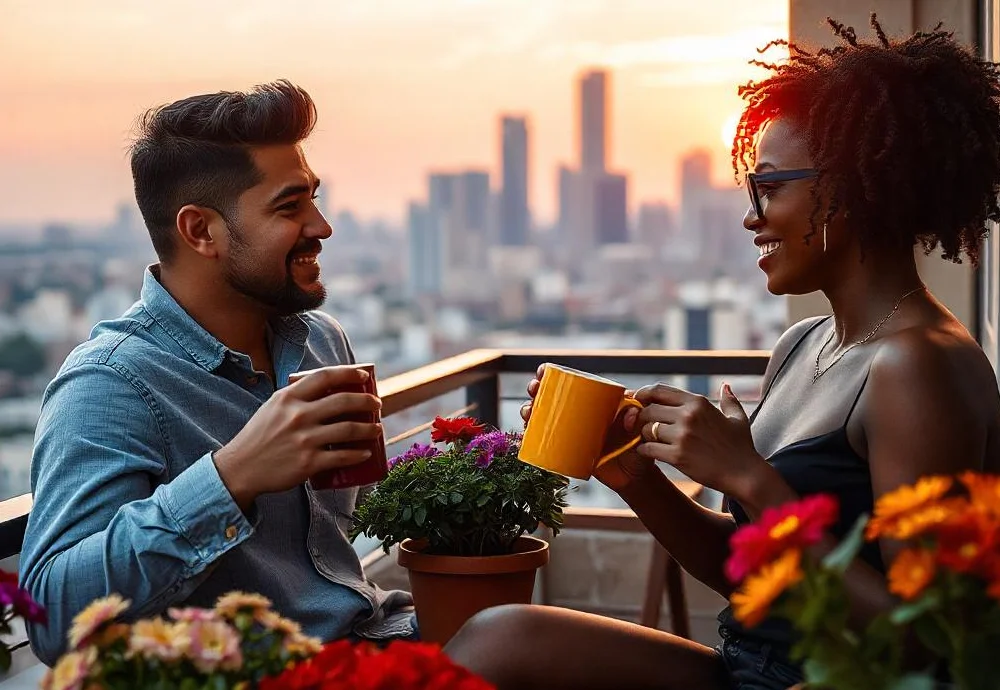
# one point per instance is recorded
(205, 512)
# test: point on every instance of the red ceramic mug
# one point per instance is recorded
(373, 469)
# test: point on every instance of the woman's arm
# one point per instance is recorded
(698, 538)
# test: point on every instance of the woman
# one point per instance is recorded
(858, 154)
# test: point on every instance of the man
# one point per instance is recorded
(171, 456)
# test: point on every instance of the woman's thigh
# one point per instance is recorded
(528, 647)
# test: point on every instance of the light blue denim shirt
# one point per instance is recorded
(127, 498)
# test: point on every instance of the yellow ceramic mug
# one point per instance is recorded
(569, 422)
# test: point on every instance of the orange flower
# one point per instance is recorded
(895, 507)
(753, 600)
(967, 544)
(984, 492)
(911, 572)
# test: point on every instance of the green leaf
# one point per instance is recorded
(847, 550)
(407, 513)
(913, 681)
(906, 613)
(420, 515)
(456, 498)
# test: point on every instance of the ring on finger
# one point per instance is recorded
(654, 431)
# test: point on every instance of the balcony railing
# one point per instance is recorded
(479, 373)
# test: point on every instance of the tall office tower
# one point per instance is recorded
(593, 121)
(425, 275)
(610, 198)
(514, 181)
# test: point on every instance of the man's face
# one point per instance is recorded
(274, 238)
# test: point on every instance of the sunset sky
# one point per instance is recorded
(402, 87)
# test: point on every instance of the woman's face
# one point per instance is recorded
(794, 262)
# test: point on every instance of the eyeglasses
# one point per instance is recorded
(754, 179)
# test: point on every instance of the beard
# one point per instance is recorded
(280, 294)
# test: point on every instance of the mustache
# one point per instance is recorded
(310, 247)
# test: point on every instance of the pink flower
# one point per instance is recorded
(192, 615)
(214, 645)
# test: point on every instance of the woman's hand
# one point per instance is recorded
(710, 445)
(620, 473)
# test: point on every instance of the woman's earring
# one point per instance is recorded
(824, 237)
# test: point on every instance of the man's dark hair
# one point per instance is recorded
(197, 151)
(905, 135)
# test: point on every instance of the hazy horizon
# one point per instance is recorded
(401, 87)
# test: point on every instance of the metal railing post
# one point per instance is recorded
(485, 395)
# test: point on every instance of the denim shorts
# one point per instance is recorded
(753, 666)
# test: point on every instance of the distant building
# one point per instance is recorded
(514, 181)
(425, 274)
(611, 209)
(593, 121)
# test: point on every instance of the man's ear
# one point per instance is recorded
(202, 229)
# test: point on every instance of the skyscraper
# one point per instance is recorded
(611, 209)
(593, 121)
(514, 181)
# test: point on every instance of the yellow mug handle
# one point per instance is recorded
(632, 443)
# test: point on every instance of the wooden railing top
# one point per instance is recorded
(438, 378)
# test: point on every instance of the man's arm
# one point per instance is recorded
(107, 518)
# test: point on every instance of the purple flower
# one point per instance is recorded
(486, 447)
(28, 608)
(416, 451)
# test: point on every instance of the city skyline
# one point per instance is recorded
(400, 91)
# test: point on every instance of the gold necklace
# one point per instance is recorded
(817, 373)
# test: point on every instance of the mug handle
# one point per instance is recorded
(631, 443)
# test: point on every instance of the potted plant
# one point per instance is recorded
(946, 579)
(461, 510)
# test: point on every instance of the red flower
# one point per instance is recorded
(968, 544)
(409, 665)
(458, 429)
(798, 524)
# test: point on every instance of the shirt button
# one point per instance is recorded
(231, 532)
(252, 380)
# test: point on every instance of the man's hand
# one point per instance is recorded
(287, 440)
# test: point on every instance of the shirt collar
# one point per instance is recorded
(203, 347)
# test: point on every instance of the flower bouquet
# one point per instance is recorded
(460, 509)
(15, 601)
(946, 579)
(236, 644)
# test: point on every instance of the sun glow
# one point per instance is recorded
(728, 131)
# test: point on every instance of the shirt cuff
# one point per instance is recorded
(205, 512)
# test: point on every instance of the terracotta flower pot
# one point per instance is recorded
(448, 590)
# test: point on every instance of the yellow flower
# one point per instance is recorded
(752, 602)
(911, 572)
(232, 603)
(71, 671)
(99, 612)
(984, 492)
(905, 501)
(302, 645)
(111, 634)
(279, 624)
(156, 638)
